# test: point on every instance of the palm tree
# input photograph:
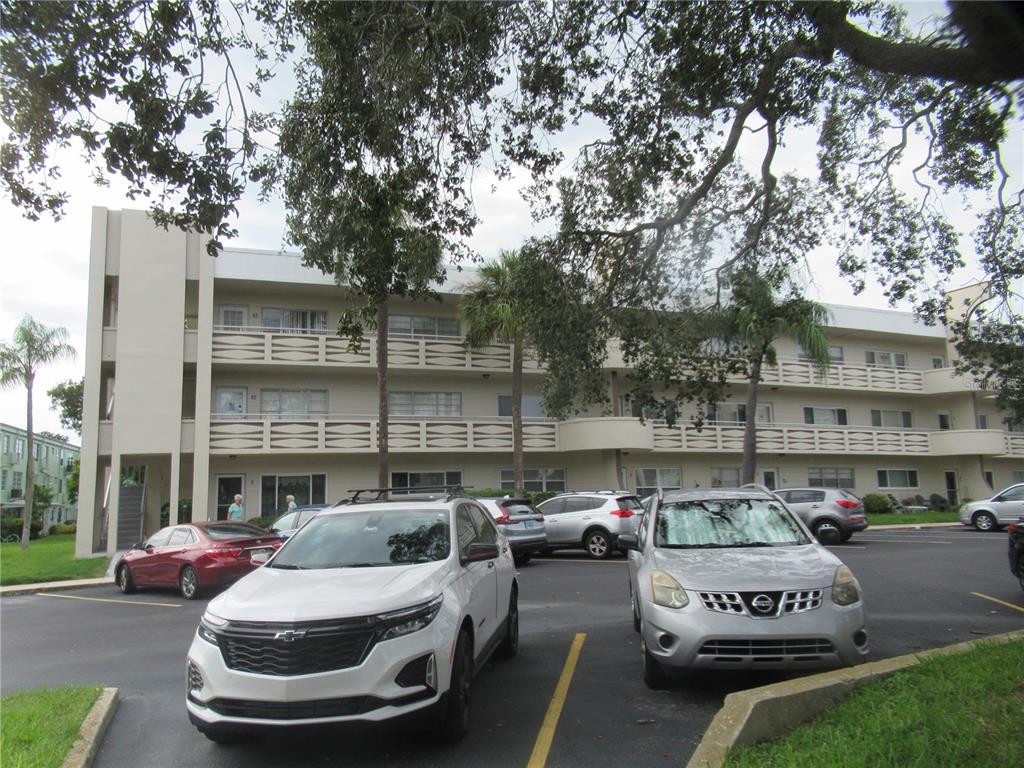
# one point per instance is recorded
(756, 319)
(494, 308)
(34, 345)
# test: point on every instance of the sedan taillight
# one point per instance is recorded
(622, 512)
(504, 519)
(224, 552)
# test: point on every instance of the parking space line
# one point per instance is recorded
(106, 600)
(574, 560)
(547, 729)
(908, 541)
(1001, 602)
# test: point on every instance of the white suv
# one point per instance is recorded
(369, 612)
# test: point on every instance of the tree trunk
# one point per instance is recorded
(517, 416)
(750, 427)
(30, 470)
(383, 474)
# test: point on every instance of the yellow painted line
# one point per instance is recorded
(547, 729)
(107, 600)
(1001, 602)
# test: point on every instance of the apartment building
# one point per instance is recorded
(54, 462)
(224, 375)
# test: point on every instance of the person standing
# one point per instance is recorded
(292, 506)
(237, 510)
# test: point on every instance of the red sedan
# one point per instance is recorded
(193, 556)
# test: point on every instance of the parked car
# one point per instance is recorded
(824, 509)
(733, 579)
(593, 520)
(522, 524)
(1017, 550)
(193, 557)
(370, 611)
(992, 514)
(290, 522)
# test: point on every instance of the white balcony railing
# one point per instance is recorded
(792, 438)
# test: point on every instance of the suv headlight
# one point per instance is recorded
(407, 620)
(667, 591)
(845, 589)
(208, 626)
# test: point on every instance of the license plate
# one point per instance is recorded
(263, 550)
(531, 523)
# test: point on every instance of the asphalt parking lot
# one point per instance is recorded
(924, 589)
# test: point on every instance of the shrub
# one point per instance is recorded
(11, 526)
(534, 496)
(63, 528)
(263, 522)
(876, 504)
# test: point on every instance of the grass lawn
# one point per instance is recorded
(51, 558)
(39, 727)
(914, 517)
(949, 711)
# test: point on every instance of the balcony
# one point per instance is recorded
(256, 345)
(339, 434)
(791, 438)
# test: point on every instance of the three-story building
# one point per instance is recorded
(225, 375)
(54, 465)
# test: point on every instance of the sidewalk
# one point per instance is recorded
(54, 586)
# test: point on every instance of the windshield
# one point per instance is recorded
(225, 531)
(363, 539)
(285, 522)
(726, 523)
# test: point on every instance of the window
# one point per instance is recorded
(295, 320)
(3, 480)
(650, 480)
(891, 419)
(425, 403)
(535, 480)
(826, 416)
(294, 402)
(307, 489)
(423, 327)
(37, 450)
(877, 359)
(1018, 493)
(410, 481)
(736, 413)
(16, 482)
(661, 410)
(181, 536)
(19, 447)
(835, 353)
(945, 422)
(532, 406)
(232, 318)
(1014, 426)
(982, 421)
(802, 497)
(725, 477)
(990, 480)
(160, 538)
(473, 526)
(830, 477)
(230, 403)
(938, 362)
(897, 478)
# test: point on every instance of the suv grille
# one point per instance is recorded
(754, 605)
(285, 650)
(798, 649)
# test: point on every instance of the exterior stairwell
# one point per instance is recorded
(130, 512)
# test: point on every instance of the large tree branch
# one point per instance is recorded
(981, 62)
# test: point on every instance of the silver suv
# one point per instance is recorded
(826, 509)
(522, 525)
(593, 520)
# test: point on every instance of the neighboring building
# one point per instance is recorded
(55, 460)
(229, 379)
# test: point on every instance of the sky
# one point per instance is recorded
(45, 263)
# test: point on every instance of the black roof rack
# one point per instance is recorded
(381, 494)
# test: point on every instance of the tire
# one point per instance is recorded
(510, 644)
(985, 522)
(522, 559)
(125, 582)
(598, 544)
(1020, 571)
(636, 610)
(846, 536)
(455, 712)
(654, 674)
(825, 525)
(188, 583)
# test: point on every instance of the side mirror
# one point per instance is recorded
(478, 552)
(259, 558)
(138, 545)
(629, 541)
(829, 536)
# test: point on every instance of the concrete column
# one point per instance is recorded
(114, 502)
(204, 392)
(175, 489)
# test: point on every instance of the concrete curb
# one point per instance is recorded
(913, 526)
(770, 711)
(95, 725)
(53, 586)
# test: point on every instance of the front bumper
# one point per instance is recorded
(695, 637)
(232, 699)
